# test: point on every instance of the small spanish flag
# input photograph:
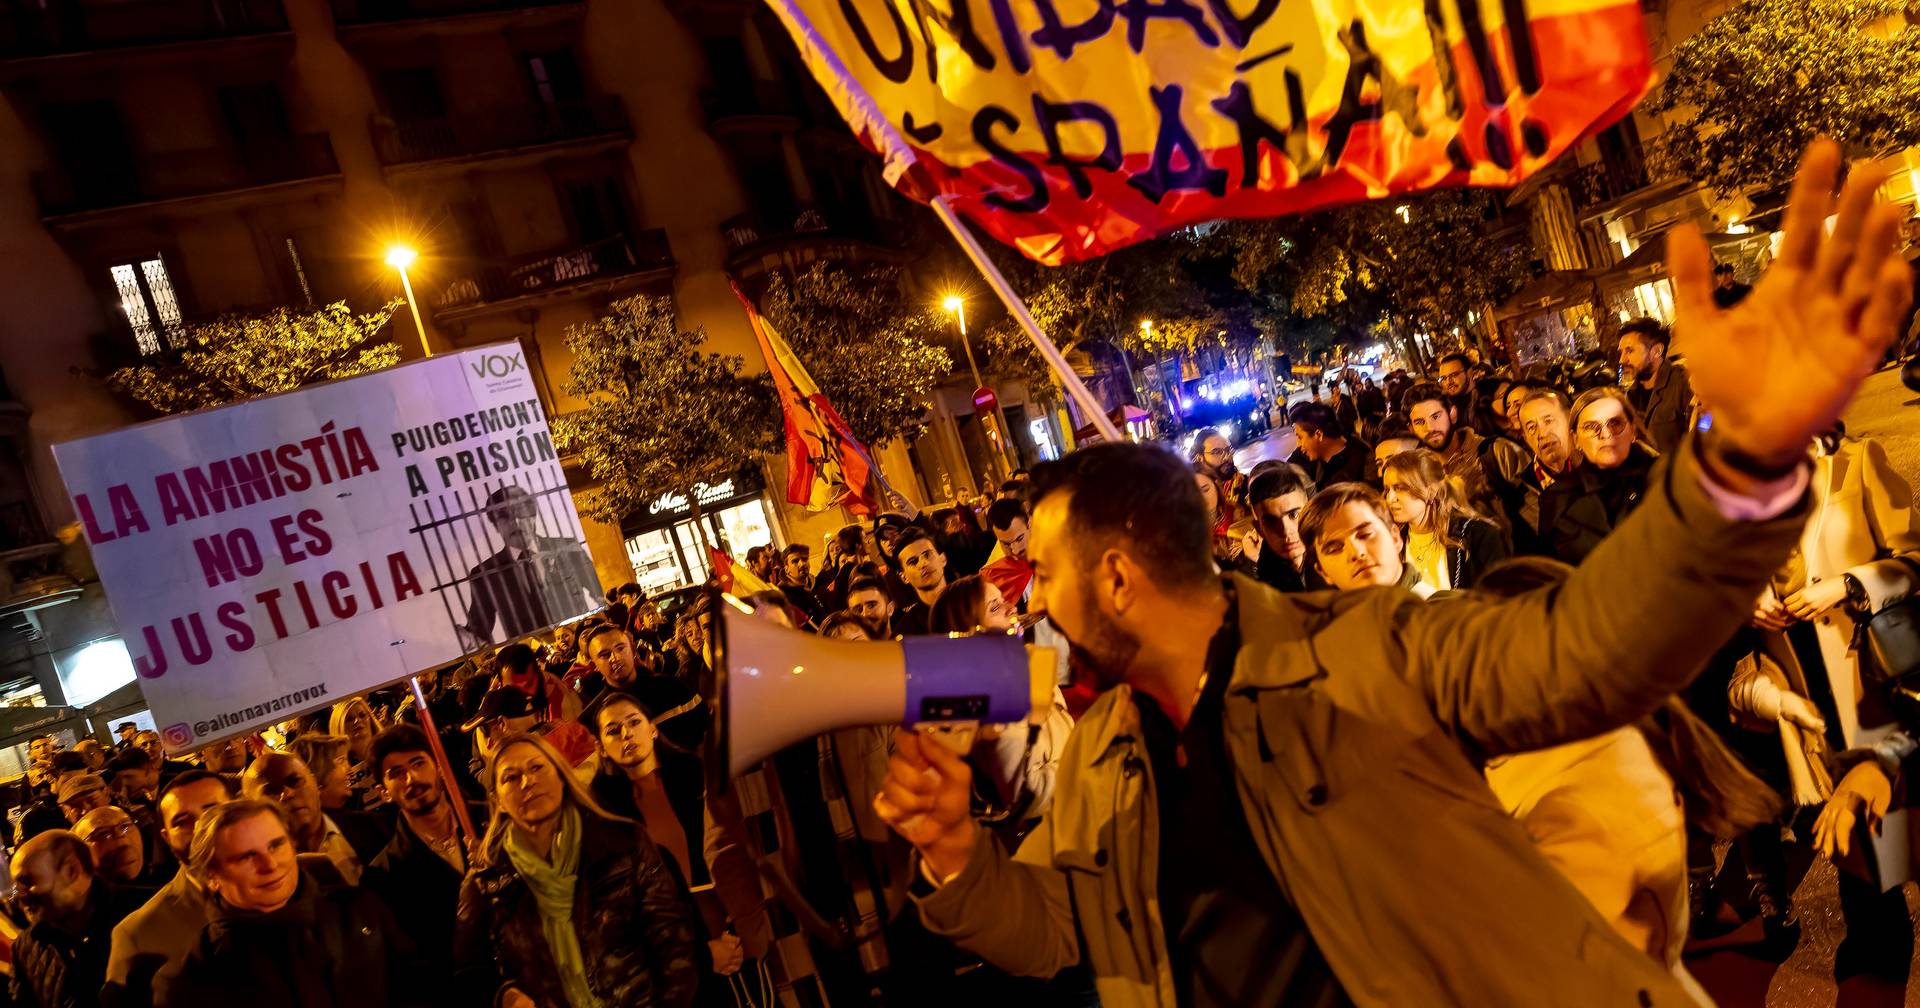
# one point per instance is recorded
(736, 579)
(826, 465)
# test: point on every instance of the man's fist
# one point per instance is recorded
(926, 799)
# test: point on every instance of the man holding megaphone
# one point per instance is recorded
(1278, 797)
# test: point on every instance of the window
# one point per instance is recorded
(147, 299)
(556, 79)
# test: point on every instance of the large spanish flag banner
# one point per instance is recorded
(1070, 128)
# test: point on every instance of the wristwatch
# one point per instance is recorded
(1856, 593)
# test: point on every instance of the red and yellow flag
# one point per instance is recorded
(826, 466)
(1070, 128)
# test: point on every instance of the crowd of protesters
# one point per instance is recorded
(1497, 692)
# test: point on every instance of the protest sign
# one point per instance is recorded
(1069, 128)
(280, 554)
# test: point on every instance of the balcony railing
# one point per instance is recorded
(1604, 181)
(179, 174)
(641, 252)
(746, 230)
(485, 131)
(37, 28)
(752, 99)
(356, 12)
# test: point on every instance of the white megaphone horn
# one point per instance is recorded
(771, 686)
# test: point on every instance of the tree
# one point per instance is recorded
(1424, 263)
(239, 357)
(662, 414)
(1752, 88)
(865, 343)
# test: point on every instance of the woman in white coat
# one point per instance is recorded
(1854, 558)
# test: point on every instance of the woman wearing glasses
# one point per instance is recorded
(1607, 480)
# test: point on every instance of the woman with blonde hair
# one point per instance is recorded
(1448, 542)
(353, 719)
(519, 940)
(1611, 464)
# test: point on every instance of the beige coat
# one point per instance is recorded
(1862, 520)
(1604, 812)
(1353, 722)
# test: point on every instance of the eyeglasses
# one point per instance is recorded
(110, 833)
(1217, 452)
(1612, 427)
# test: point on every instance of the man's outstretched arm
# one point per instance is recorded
(1654, 601)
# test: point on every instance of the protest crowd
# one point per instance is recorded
(1501, 688)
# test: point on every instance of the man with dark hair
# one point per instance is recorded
(795, 579)
(763, 561)
(1007, 567)
(417, 874)
(134, 776)
(1543, 420)
(1277, 495)
(869, 601)
(1727, 288)
(1455, 373)
(1661, 392)
(1493, 470)
(61, 959)
(1325, 453)
(1271, 777)
(534, 581)
(924, 570)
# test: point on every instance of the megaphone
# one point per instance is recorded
(771, 686)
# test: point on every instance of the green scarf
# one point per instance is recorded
(552, 882)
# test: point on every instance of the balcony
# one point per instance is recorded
(811, 231)
(566, 271)
(360, 12)
(32, 28)
(503, 130)
(1605, 181)
(181, 175)
(750, 105)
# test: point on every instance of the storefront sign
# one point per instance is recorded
(278, 555)
(676, 504)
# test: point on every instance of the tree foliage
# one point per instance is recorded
(1161, 281)
(239, 357)
(1752, 88)
(1423, 263)
(868, 346)
(662, 414)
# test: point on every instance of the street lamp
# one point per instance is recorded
(400, 257)
(957, 307)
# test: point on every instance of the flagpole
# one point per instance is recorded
(865, 118)
(1018, 308)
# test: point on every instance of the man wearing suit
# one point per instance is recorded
(533, 582)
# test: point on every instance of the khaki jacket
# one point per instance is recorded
(1355, 723)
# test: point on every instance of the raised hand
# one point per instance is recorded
(926, 799)
(1779, 367)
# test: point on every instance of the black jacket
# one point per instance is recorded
(636, 932)
(422, 890)
(54, 969)
(1351, 464)
(1582, 506)
(1482, 545)
(329, 946)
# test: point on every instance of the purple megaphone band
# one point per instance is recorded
(979, 678)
